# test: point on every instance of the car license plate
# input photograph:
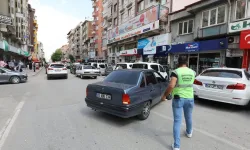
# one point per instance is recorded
(58, 70)
(214, 86)
(103, 96)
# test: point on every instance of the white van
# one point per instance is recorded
(123, 66)
(101, 66)
(157, 67)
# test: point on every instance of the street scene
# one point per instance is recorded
(124, 75)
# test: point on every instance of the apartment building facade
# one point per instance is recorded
(127, 21)
(14, 29)
(86, 36)
(98, 29)
(65, 51)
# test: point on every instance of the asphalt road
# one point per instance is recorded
(52, 115)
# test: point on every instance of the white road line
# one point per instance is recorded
(236, 146)
(7, 128)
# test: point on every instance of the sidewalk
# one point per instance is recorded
(31, 72)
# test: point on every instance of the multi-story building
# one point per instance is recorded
(65, 51)
(98, 28)
(14, 29)
(70, 37)
(127, 21)
(35, 43)
(40, 53)
(86, 35)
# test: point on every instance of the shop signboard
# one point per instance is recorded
(141, 20)
(192, 47)
(5, 20)
(129, 52)
(149, 44)
(245, 39)
(143, 29)
(239, 26)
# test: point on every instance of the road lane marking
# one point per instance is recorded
(10, 122)
(239, 147)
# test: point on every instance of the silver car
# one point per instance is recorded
(9, 76)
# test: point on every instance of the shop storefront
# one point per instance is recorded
(201, 55)
(245, 46)
(130, 55)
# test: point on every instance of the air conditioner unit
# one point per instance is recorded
(233, 39)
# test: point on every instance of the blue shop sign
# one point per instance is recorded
(217, 44)
(192, 47)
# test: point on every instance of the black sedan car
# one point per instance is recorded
(127, 93)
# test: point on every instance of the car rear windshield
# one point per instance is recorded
(222, 73)
(140, 66)
(56, 65)
(88, 67)
(102, 66)
(124, 66)
(125, 77)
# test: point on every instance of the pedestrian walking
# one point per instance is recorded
(34, 66)
(181, 87)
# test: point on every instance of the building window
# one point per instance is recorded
(242, 10)
(141, 6)
(214, 16)
(186, 27)
(115, 7)
(129, 12)
(122, 17)
(115, 21)
(122, 3)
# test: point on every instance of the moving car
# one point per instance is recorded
(9, 76)
(157, 67)
(101, 66)
(56, 70)
(127, 93)
(228, 85)
(123, 66)
(87, 71)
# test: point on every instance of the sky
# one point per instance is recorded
(57, 17)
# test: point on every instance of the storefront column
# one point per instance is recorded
(245, 60)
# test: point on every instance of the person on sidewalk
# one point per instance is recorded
(181, 87)
(34, 66)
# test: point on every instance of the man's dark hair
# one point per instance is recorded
(182, 60)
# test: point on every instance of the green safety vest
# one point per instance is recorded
(184, 85)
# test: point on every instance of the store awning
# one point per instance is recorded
(4, 45)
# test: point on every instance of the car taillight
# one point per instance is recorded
(50, 68)
(125, 99)
(238, 86)
(197, 82)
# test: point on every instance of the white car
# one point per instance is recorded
(101, 66)
(157, 67)
(57, 70)
(87, 71)
(228, 85)
(123, 66)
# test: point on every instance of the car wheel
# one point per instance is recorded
(15, 80)
(145, 111)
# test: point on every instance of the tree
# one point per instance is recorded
(57, 55)
(71, 57)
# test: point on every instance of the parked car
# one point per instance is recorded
(123, 66)
(228, 85)
(9, 76)
(101, 66)
(157, 67)
(127, 93)
(56, 70)
(87, 71)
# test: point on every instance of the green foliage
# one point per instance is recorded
(71, 57)
(57, 55)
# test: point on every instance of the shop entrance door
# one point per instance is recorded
(193, 62)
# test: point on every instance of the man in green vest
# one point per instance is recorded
(181, 87)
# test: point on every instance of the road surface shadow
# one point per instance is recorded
(222, 106)
(107, 118)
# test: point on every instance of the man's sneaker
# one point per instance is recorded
(189, 135)
(175, 148)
